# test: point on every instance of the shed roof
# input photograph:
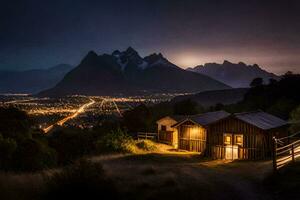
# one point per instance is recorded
(179, 118)
(176, 118)
(205, 118)
(261, 119)
(210, 117)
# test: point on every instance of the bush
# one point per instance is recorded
(278, 97)
(116, 141)
(32, 155)
(146, 145)
(295, 119)
(18, 150)
(14, 123)
(137, 119)
(82, 180)
(70, 144)
(8, 147)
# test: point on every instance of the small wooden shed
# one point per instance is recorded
(188, 132)
(221, 135)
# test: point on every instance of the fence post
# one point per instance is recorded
(274, 154)
(293, 154)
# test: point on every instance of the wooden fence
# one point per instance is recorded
(285, 150)
(146, 136)
(165, 137)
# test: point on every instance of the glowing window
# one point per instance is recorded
(239, 139)
(227, 139)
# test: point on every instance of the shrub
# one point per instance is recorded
(146, 145)
(7, 148)
(137, 119)
(295, 119)
(32, 155)
(82, 180)
(70, 144)
(14, 123)
(116, 141)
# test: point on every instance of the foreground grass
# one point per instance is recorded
(155, 175)
(285, 183)
(23, 186)
(188, 176)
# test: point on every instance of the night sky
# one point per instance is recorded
(41, 34)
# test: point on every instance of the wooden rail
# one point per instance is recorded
(146, 136)
(165, 137)
(285, 150)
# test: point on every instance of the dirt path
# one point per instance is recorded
(184, 175)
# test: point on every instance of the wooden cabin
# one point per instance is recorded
(221, 135)
(188, 132)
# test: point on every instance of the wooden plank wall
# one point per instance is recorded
(256, 144)
(192, 137)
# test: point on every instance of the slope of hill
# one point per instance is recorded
(32, 81)
(126, 73)
(211, 98)
(235, 75)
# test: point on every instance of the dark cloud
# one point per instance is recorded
(43, 33)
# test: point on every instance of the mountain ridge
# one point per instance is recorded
(33, 80)
(236, 75)
(126, 72)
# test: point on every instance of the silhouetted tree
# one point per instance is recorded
(288, 73)
(278, 98)
(71, 143)
(32, 155)
(8, 147)
(14, 123)
(137, 119)
(295, 120)
(186, 107)
(18, 151)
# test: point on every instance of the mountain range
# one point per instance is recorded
(237, 75)
(32, 81)
(127, 73)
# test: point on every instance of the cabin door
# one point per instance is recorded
(231, 150)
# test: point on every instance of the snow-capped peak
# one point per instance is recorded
(132, 58)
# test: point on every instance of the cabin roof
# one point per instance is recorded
(261, 119)
(176, 118)
(205, 118)
(179, 118)
(210, 117)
